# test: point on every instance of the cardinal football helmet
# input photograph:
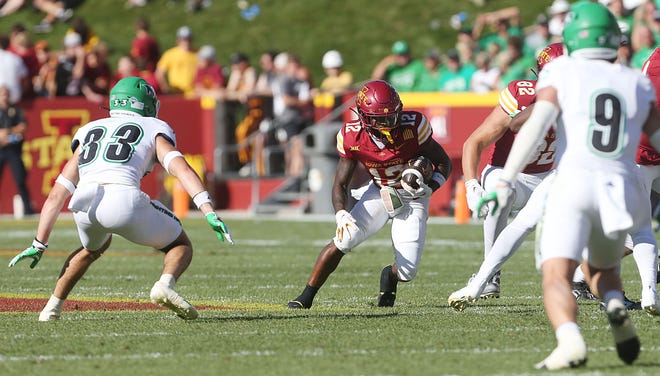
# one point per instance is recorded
(378, 107)
(135, 95)
(547, 54)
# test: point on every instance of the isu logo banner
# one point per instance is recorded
(47, 149)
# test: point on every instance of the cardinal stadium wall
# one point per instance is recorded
(52, 123)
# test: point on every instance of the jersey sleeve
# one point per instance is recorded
(424, 130)
(164, 129)
(340, 144)
(508, 101)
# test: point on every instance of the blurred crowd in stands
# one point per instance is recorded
(488, 53)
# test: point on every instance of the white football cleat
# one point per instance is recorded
(460, 299)
(164, 296)
(49, 314)
(650, 302)
(572, 356)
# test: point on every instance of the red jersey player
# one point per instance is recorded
(495, 129)
(382, 139)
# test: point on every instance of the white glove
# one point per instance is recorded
(474, 193)
(500, 197)
(423, 191)
(345, 224)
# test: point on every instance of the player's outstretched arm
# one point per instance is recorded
(175, 164)
(64, 186)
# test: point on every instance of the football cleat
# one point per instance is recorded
(164, 296)
(386, 299)
(492, 289)
(295, 304)
(49, 314)
(650, 302)
(460, 299)
(629, 304)
(623, 331)
(581, 291)
(568, 357)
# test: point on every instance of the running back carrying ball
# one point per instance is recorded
(417, 169)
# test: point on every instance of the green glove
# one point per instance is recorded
(500, 197)
(220, 228)
(34, 252)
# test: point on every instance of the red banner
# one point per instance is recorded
(52, 123)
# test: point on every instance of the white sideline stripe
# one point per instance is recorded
(316, 352)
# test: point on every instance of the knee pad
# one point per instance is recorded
(350, 240)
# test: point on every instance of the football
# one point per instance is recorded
(416, 168)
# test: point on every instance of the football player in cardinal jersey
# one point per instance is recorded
(382, 139)
(495, 130)
(600, 110)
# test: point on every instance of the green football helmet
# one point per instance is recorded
(591, 31)
(136, 95)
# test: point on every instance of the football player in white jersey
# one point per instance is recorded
(110, 157)
(600, 110)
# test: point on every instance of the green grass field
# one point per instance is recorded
(251, 333)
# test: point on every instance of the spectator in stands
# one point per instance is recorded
(621, 13)
(515, 65)
(88, 37)
(643, 45)
(95, 84)
(485, 78)
(209, 79)
(43, 83)
(126, 67)
(432, 70)
(624, 53)
(21, 45)
(268, 74)
(10, 6)
(12, 132)
(336, 80)
(70, 67)
(242, 78)
(13, 74)
(176, 69)
(538, 38)
(557, 11)
(292, 102)
(399, 69)
(455, 77)
(504, 22)
(56, 10)
(144, 47)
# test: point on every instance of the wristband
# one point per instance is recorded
(39, 245)
(169, 157)
(68, 184)
(439, 178)
(202, 198)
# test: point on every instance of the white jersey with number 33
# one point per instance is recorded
(603, 108)
(119, 150)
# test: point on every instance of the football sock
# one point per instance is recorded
(307, 296)
(168, 280)
(54, 303)
(578, 276)
(388, 280)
